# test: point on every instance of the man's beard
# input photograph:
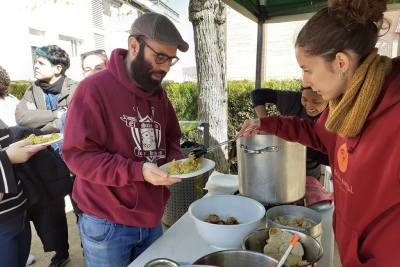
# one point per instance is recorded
(141, 71)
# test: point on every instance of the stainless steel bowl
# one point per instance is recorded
(237, 258)
(312, 248)
(293, 211)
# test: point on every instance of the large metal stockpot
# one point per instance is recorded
(270, 169)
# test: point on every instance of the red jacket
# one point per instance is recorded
(112, 128)
(366, 176)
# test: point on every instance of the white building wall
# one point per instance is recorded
(35, 23)
(279, 60)
(241, 46)
(42, 26)
(25, 27)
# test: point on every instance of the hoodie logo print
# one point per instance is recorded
(147, 135)
(343, 157)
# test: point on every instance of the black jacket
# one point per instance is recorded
(14, 201)
(46, 180)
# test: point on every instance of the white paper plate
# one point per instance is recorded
(224, 180)
(206, 166)
(50, 142)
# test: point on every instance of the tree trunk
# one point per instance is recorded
(208, 19)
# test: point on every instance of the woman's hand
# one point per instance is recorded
(156, 176)
(19, 152)
(250, 124)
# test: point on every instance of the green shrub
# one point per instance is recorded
(184, 99)
(18, 88)
(239, 101)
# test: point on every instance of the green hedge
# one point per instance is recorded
(184, 96)
(18, 88)
(184, 99)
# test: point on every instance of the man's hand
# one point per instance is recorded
(1, 196)
(156, 176)
(19, 153)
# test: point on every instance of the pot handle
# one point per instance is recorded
(161, 261)
(259, 151)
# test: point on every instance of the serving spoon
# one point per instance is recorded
(293, 242)
(200, 150)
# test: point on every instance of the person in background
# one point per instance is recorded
(360, 129)
(8, 103)
(93, 62)
(304, 104)
(15, 229)
(41, 107)
(48, 97)
(124, 128)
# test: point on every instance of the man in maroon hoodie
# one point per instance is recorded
(120, 127)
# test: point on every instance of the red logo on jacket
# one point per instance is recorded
(343, 157)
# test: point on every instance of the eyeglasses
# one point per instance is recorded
(94, 52)
(162, 58)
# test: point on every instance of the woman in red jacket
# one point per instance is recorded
(360, 129)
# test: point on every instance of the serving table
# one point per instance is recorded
(183, 244)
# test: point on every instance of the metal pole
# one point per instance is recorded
(262, 16)
(259, 55)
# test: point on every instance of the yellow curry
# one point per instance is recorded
(184, 167)
(40, 139)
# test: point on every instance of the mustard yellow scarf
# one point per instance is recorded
(347, 113)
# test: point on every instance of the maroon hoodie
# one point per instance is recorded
(112, 128)
(366, 176)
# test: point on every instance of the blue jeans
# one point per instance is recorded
(15, 241)
(108, 244)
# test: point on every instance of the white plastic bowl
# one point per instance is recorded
(247, 212)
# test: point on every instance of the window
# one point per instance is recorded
(36, 32)
(33, 48)
(70, 45)
(99, 42)
(384, 48)
(97, 12)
